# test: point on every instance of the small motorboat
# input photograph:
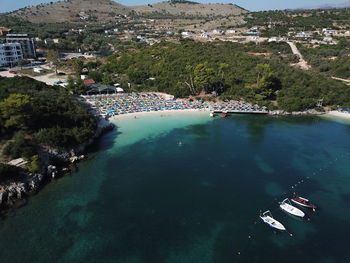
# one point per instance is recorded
(224, 115)
(211, 114)
(268, 219)
(303, 202)
(286, 206)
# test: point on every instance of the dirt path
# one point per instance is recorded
(49, 79)
(345, 80)
(302, 62)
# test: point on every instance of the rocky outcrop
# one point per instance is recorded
(13, 191)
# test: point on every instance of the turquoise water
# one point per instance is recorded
(186, 188)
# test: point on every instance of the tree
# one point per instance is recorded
(34, 164)
(79, 86)
(22, 62)
(266, 83)
(78, 65)
(70, 84)
(189, 82)
(204, 77)
(107, 80)
(15, 110)
(53, 57)
(75, 86)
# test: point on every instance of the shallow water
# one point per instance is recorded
(186, 188)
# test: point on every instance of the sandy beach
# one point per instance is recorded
(163, 113)
(343, 115)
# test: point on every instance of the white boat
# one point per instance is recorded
(211, 114)
(268, 219)
(285, 205)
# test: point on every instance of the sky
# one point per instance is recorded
(252, 5)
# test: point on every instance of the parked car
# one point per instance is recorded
(12, 72)
(61, 73)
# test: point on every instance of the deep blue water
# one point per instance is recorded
(189, 189)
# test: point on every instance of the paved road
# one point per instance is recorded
(302, 62)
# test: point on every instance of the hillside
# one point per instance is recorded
(187, 8)
(107, 10)
(72, 11)
(329, 6)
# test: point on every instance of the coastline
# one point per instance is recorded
(155, 113)
(338, 114)
(15, 192)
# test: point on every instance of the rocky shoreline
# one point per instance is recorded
(13, 194)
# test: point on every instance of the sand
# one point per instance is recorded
(163, 113)
(338, 114)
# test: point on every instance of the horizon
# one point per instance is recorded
(251, 5)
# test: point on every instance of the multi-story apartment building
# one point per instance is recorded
(10, 54)
(27, 44)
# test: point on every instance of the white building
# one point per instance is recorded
(217, 32)
(186, 34)
(273, 39)
(303, 35)
(230, 31)
(27, 44)
(329, 32)
(10, 54)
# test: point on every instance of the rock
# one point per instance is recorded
(73, 159)
(2, 196)
(52, 170)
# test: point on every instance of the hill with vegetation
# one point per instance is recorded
(329, 6)
(280, 22)
(72, 11)
(108, 10)
(188, 8)
(190, 68)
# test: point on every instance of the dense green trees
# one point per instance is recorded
(46, 115)
(15, 110)
(333, 60)
(280, 22)
(226, 68)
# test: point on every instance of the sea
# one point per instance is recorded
(187, 188)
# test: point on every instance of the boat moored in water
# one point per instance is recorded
(269, 220)
(286, 206)
(303, 202)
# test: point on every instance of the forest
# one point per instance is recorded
(225, 69)
(280, 22)
(332, 60)
(34, 115)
